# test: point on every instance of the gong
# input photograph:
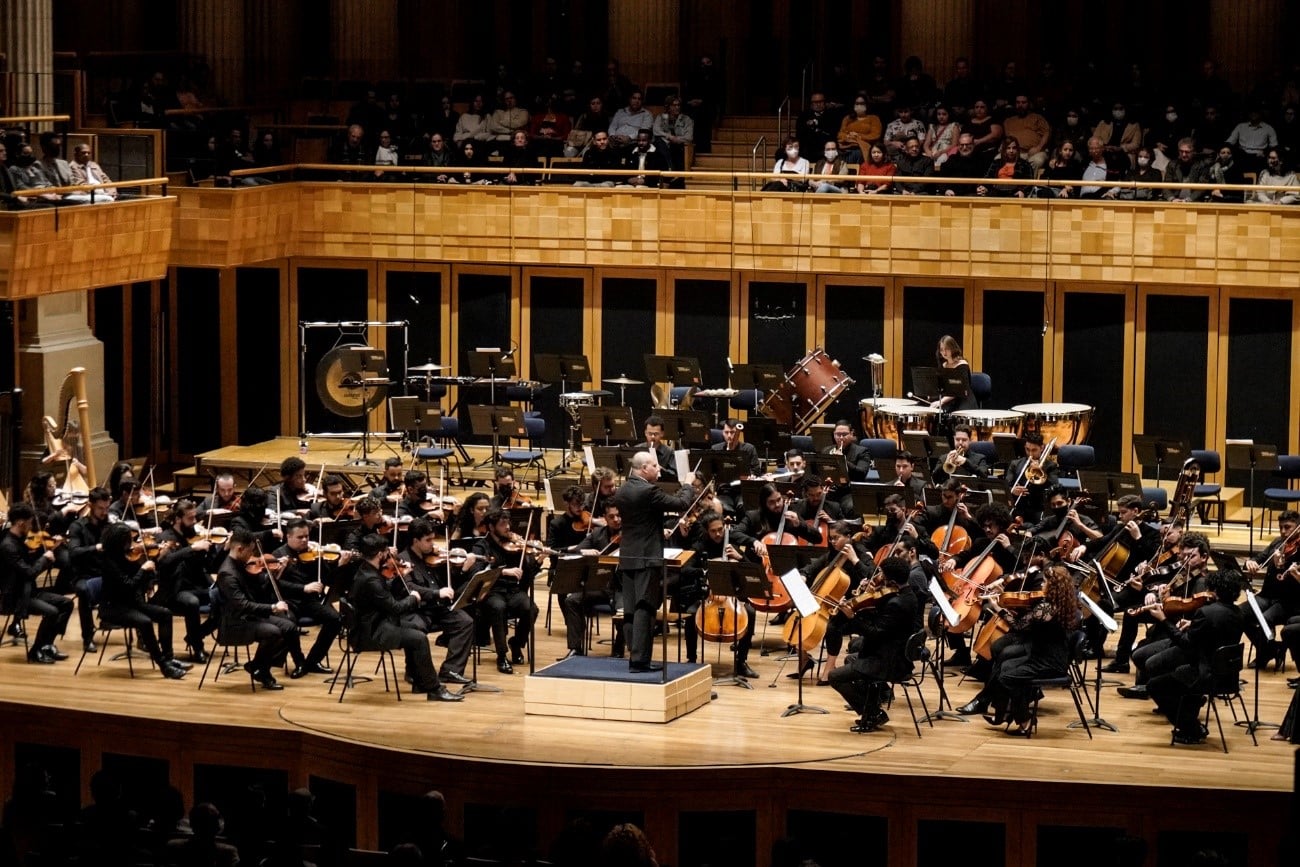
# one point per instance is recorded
(340, 380)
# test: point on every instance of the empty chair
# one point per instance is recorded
(533, 455)
(1208, 494)
(1070, 459)
(880, 449)
(1288, 469)
(981, 386)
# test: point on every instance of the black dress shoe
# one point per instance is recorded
(89, 646)
(863, 727)
(453, 677)
(974, 707)
(1135, 692)
(504, 666)
(1117, 667)
(170, 670)
(822, 683)
(39, 656)
(198, 655)
(444, 694)
(1181, 737)
(641, 667)
(268, 681)
(55, 653)
(570, 654)
(997, 718)
(17, 630)
(312, 668)
(183, 666)
(743, 670)
(957, 660)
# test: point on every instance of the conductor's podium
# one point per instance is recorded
(603, 688)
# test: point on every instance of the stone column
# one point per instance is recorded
(644, 37)
(215, 30)
(53, 338)
(26, 37)
(363, 40)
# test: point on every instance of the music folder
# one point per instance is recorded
(477, 589)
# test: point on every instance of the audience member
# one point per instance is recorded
(788, 165)
(985, 131)
(1120, 134)
(1276, 174)
(473, 124)
(1063, 166)
(1031, 129)
(1009, 166)
(600, 157)
(1186, 168)
(941, 137)
(831, 163)
(628, 121)
(913, 163)
(1252, 137)
(1144, 172)
(877, 165)
(857, 130)
(675, 130)
(549, 129)
(643, 159)
(1102, 165)
(901, 128)
(503, 123)
(818, 124)
(594, 119)
(1225, 169)
(964, 165)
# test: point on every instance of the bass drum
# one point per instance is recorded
(1069, 423)
(984, 423)
(812, 384)
(869, 409)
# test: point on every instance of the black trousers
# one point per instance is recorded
(327, 626)
(499, 607)
(143, 617)
(275, 636)
(576, 607)
(188, 605)
(457, 629)
(642, 596)
(53, 609)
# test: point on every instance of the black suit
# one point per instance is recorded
(379, 625)
(509, 596)
(436, 613)
(123, 601)
(246, 618)
(1213, 626)
(294, 579)
(642, 505)
(183, 585)
(18, 574)
(664, 455)
(86, 562)
(748, 454)
(882, 658)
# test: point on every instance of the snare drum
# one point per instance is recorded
(571, 400)
(891, 423)
(984, 423)
(812, 384)
(1069, 423)
(869, 408)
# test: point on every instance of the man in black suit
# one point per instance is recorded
(643, 505)
(731, 442)
(247, 617)
(1180, 694)
(18, 573)
(654, 442)
(378, 623)
(964, 461)
(856, 459)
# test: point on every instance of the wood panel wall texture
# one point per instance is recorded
(1108, 242)
(73, 249)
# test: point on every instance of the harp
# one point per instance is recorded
(57, 432)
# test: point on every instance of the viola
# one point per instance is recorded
(583, 523)
(1181, 606)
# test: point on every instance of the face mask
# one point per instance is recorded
(1171, 116)
(1071, 121)
(831, 155)
(792, 153)
(1118, 115)
(1144, 162)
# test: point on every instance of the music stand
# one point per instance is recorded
(822, 436)
(364, 367)
(925, 383)
(1108, 623)
(869, 497)
(688, 428)
(723, 467)
(412, 415)
(1007, 448)
(617, 458)
(1254, 725)
(497, 419)
(950, 617)
(822, 466)
(806, 605)
(997, 489)
(1252, 456)
(954, 382)
(920, 444)
(475, 591)
(570, 576)
(1157, 451)
(761, 429)
(735, 580)
(759, 378)
(607, 423)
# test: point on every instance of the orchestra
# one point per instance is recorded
(1010, 565)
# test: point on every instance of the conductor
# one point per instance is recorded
(643, 504)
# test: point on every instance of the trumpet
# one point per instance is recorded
(954, 460)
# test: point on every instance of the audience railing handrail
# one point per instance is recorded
(87, 188)
(35, 118)
(842, 180)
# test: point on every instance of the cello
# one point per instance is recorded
(952, 539)
(884, 553)
(968, 587)
(779, 600)
(829, 587)
(721, 618)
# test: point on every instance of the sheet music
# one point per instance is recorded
(682, 463)
(546, 488)
(1102, 617)
(940, 599)
(1259, 615)
(804, 602)
(589, 458)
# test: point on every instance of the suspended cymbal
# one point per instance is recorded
(339, 398)
(426, 368)
(622, 380)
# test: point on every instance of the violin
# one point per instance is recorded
(315, 551)
(515, 500)
(583, 523)
(215, 535)
(41, 540)
(262, 563)
(147, 548)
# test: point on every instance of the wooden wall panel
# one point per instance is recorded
(78, 248)
(1151, 243)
